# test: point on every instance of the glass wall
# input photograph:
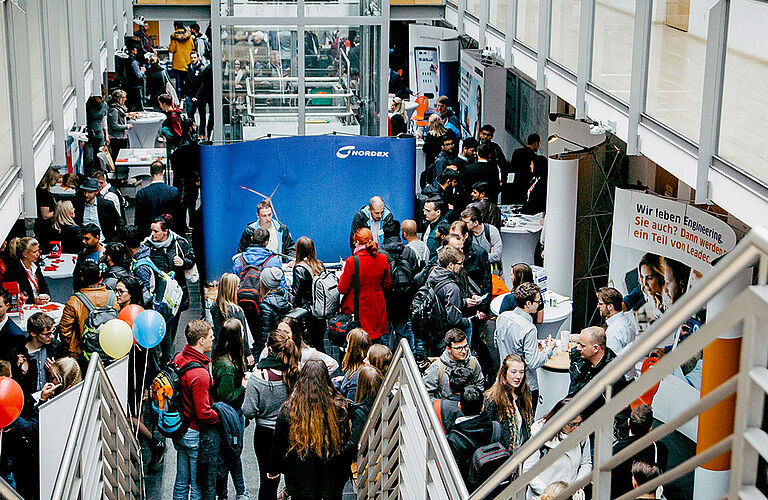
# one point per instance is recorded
(564, 42)
(744, 119)
(473, 7)
(498, 14)
(676, 68)
(528, 22)
(612, 50)
(35, 37)
(6, 139)
(65, 65)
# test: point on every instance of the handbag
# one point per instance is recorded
(192, 275)
(108, 158)
(343, 323)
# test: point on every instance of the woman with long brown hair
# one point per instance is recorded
(368, 385)
(374, 279)
(306, 268)
(268, 388)
(508, 402)
(358, 344)
(293, 327)
(311, 432)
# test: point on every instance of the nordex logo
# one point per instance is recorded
(347, 151)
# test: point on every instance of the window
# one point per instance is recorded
(564, 44)
(35, 37)
(6, 139)
(612, 51)
(528, 22)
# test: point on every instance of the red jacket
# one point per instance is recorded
(374, 279)
(196, 387)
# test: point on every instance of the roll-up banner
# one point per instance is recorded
(316, 184)
(659, 248)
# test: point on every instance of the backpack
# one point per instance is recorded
(167, 294)
(427, 176)
(486, 459)
(429, 319)
(97, 316)
(401, 275)
(249, 291)
(325, 294)
(166, 399)
(441, 368)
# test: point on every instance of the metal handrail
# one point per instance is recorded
(751, 249)
(404, 374)
(8, 493)
(97, 390)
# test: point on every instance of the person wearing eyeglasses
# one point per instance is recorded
(516, 334)
(34, 358)
(437, 377)
(575, 464)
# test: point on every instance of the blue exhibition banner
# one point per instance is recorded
(316, 184)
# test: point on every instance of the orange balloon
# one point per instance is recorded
(129, 313)
(11, 401)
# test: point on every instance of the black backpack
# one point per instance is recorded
(249, 291)
(166, 399)
(429, 319)
(427, 176)
(401, 275)
(486, 459)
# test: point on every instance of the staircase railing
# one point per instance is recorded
(102, 458)
(403, 452)
(8, 493)
(747, 312)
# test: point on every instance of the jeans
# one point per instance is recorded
(402, 330)
(186, 466)
(383, 340)
(418, 346)
(234, 465)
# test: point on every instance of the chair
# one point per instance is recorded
(647, 397)
(418, 115)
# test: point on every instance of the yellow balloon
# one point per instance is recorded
(116, 338)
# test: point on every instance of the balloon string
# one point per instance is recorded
(141, 400)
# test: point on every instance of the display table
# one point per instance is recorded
(146, 125)
(138, 160)
(61, 192)
(52, 309)
(519, 236)
(58, 274)
(554, 380)
(554, 316)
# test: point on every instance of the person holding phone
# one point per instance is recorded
(34, 358)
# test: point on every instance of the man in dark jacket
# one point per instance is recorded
(447, 408)
(134, 80)
(404, 264)
(89, 208)
(280, 240)
(156, 199)
(204, 100)
(588, 359)
(496, 156)
(34, 358)
(656, 454)
(194, 82)
(445, 157)
(491, 213)
(445, 281)
(373, 216)
(516, 177)
(196, 401)
(470, 431)
(484, 170)
(145, 41)
(92, 250)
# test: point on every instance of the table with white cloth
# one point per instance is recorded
(58, 274)
(554, 315)
(146, 125)
(53, 309)
(138, 160)
(61, 192)
(519, 236)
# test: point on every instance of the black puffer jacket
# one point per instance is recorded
(448, 292)
(274, 306)
(394, 249)
(478, 269)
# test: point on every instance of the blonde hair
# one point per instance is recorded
(436, 126)
(17, 247)
(61, 215)
(117, 94)
(398, 107)
(69, 372)
(49, 178)
(227, 294)
(553, 490)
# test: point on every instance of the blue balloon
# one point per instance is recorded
(148, 328)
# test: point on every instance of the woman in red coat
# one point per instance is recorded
(374, 279)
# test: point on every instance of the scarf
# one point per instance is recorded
(272, 362)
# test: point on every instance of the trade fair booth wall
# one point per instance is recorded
(316, 184)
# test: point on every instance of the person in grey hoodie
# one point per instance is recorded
(436, 378)
(268, 388)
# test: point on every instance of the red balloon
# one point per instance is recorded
(129, 313)
(11, 401)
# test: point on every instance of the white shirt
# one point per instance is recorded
(516, 333)
(91, 214)
(272, 243)
(3, 322)
(619, 334)
(376, 230)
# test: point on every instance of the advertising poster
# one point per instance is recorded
(471, 100)
(427, 73)
(659, 248)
